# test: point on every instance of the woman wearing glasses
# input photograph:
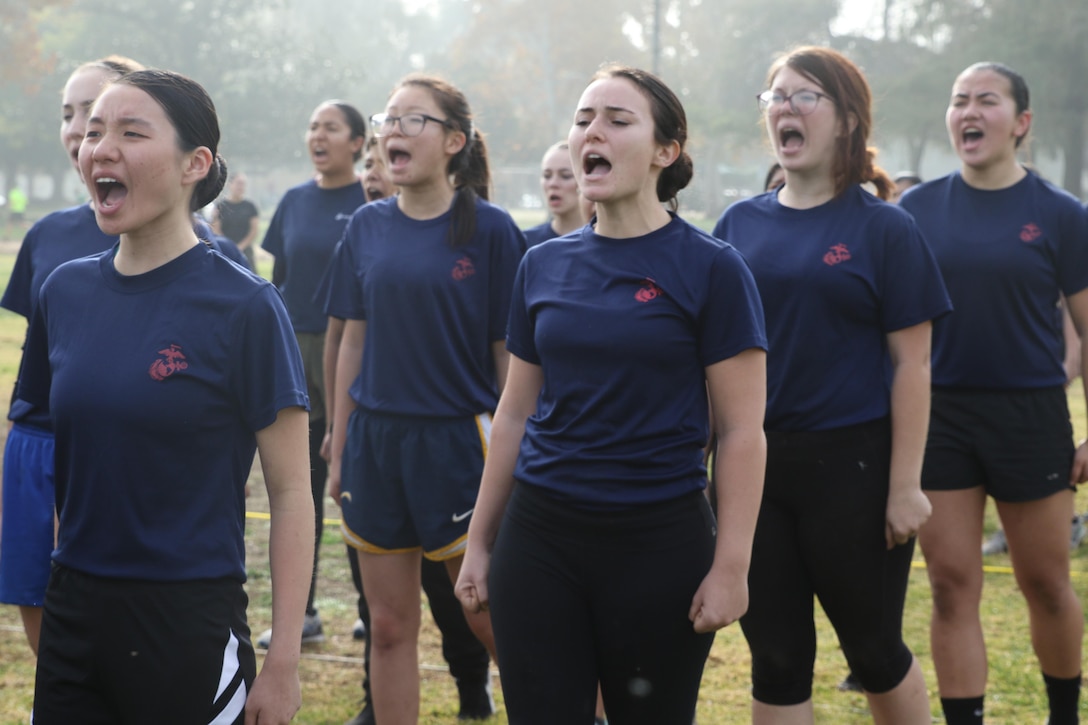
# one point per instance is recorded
(423, 282)
(304, 230)
(1010, 245)
(849, 291)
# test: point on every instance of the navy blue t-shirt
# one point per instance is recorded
(539, 233)
(157, 384)
(308, 223)
(431, 311)
(834, 280)
(623, 330)
(56, 238)
(1006, 255)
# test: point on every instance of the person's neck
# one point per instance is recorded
(806, 191)
(154, 244)
(628, 219)
(337, 179)
(426, 201)
(568, 222)
(994, 177)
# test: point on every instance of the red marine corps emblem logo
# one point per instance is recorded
(1030, 233)
(836, 255)
(648, 291)
(463, 269)
(172, 360)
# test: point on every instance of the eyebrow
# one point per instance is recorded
(127, 121)
(981, 94)
(611, 109)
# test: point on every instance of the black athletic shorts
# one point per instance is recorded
(1017, 444)
(119, 651)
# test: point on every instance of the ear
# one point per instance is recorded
(455, 141)
(666, 154)
(197, 164)
(851, 124)
(1023, 124)
(357, 145)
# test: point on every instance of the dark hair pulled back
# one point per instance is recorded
(670, 125)
(193, 116)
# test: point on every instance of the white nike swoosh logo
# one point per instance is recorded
(346, 496)
(458, 518)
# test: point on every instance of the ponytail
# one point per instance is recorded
(472, 178)
(878, 177)
(469, 166)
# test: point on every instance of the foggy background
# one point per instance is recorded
(523, 65)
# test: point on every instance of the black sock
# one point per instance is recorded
(962, 710)
(1063, 695)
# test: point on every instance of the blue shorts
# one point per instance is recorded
(26, 536)
(410, 483)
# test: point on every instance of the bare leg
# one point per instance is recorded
(1038, 533)
(905, 704)
(764, 714)
(391, 583)
(950, 543)
(32, 625)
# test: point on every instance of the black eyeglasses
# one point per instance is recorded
(411, 124)
(801, 103)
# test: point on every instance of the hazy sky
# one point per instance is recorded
(858, 17)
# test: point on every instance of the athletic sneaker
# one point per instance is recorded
(365, 716)
(477, 702)
(1080, 530)
(358, 630)
(311, 632)
(996, 544)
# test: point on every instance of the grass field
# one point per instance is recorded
(331, 671)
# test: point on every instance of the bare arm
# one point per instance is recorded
(1073, 356)
(349, 362)
(285, 461)
(501, 356)
(517, 403)
(738, 399)
(329, 356)
(1078, 311)
(908, 508)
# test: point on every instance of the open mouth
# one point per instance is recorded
(398, 157)
(596, 165)
(319, 154)
(790, 138)
(972, 135)
(373, 193)
(109, 193)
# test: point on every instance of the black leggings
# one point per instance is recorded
(579, 597)
(821, 532)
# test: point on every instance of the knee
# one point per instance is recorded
(880, 667)
(954, 594)
(1049, 594)
(391, 629)
(781, 681)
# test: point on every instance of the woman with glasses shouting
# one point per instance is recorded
(849, 291)
(423, 281)
(1010, 245)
